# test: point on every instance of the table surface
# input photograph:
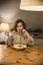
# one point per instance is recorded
(29, 56)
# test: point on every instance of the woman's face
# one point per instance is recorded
(19, 27)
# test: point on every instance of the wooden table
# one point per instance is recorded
(29, 56)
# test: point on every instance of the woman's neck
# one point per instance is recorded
(20, 33)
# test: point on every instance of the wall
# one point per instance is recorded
(38, 42)
(32, 19)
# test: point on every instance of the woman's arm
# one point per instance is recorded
(29, 37)
(8, 38)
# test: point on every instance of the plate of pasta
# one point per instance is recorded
(19, 47)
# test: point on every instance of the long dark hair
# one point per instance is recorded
(19, 21)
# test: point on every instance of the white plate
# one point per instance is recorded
(17, 46)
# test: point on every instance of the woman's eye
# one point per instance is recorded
(19, 26)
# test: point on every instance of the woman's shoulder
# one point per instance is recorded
(13, 33)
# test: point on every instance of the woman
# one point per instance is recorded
(20, 35)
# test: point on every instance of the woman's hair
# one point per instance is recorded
(19, 21)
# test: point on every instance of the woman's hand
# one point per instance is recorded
(23, 30)
(7, 34)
